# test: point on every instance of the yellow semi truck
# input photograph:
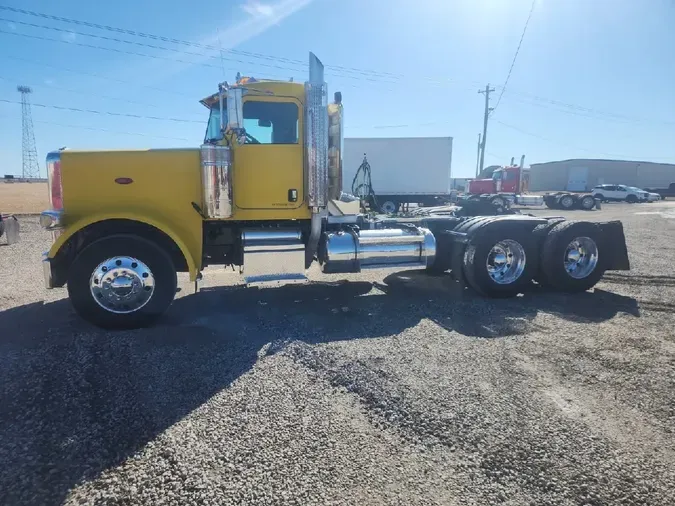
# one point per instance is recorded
(262, 193)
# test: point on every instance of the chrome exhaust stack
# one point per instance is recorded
(316, 151)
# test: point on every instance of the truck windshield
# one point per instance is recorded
(213, 132)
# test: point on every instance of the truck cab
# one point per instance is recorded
(269, 180)
(503, 180)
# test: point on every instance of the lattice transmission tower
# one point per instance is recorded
(31, 167)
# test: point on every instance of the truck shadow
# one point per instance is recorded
(77, 400)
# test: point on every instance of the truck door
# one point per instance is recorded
(268, 168)
(497, 176)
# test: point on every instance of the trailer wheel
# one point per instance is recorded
(567, 202)
(122, 281)
(571, 257)
(498, 201)
(389, 207)
(587, 203)
(2, 226)
(551, 201)
(499, 263)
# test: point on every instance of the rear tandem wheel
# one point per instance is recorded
(500, 262)
(572, 258)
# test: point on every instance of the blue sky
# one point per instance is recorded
(594, 78)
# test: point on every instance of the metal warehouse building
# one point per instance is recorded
(582, 175)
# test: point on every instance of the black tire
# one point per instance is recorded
(551, 201)
(631, 199)
(566, 202)
(587, 202)
(476, 256)
(553, 273)
(86, 262)
(2, 227)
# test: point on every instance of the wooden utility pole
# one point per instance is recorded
(478, 155)
(488, 109)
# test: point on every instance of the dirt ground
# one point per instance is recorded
(23, 198)
(380, 388)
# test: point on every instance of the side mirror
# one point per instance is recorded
(264, 123)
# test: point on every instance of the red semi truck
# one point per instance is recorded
(511, 183)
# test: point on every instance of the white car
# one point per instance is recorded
(619, 193)
(651, 197)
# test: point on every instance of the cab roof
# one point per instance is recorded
(265, 87)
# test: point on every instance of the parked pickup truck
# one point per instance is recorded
(664, 192)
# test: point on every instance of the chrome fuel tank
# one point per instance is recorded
(349, 251)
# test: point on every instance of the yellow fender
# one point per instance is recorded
(71, 229)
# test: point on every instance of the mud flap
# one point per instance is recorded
(11, 225)
(616, 246)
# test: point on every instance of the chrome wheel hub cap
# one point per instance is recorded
(122, 284)
(581, 257)
(506, 262)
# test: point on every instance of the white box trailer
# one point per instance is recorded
(404, 170)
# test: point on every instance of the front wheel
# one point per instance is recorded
(631, 199)
(122, 281)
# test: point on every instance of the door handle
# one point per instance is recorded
(292, 195)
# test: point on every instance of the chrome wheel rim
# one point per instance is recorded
(498, 202)
(588, 202)
(581, 257)
(122, 284)
(388, 207)
(567, 202)
(506, 262)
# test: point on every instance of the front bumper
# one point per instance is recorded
(51, 220)
(47, 271)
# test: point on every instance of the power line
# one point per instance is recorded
(141, 44)
(372, 73)
(98, 76)
(146, 55)
(81, 92)
(134, 134)
(187, 43)
(109, 113)
(536, 136)
(515, 56)
(337, 70)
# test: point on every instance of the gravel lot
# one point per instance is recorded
(388, 388)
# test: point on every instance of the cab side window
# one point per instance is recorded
(271, 122)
